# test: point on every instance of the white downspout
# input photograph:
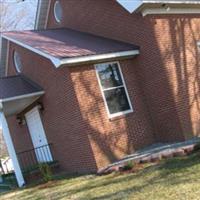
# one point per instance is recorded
(11, 150)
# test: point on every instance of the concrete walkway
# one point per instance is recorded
(155, 151)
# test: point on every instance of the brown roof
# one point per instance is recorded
(14, 86)
(67, 43)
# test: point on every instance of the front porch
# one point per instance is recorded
(19, 98)
(33, 159)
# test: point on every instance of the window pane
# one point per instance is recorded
(117, 100)
(109, 75)
(58, 11)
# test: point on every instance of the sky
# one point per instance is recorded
(19, 15)
(130, 5)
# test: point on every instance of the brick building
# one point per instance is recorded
(99, 80)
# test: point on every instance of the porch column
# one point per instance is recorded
(11, 150)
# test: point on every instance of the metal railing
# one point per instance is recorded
(30, 159)
(6, 166)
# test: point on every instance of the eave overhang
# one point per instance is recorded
(147, 7)
(92, 49)
(17, 93)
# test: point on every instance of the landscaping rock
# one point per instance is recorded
(156, 158)
(188, 149)
(137, 160)
(167, 154)
(179, 152)
(146, 159)
(108, 170)
(170, 151)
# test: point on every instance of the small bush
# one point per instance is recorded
(45, 172)
(128, 166)
(197, 147)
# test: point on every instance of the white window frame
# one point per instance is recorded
(16, 58)
(198, 45)
(124, 86)
(55, 11)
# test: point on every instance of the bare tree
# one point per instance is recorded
(17, 14)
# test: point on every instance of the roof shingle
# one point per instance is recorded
(13, 86)
(67, 43)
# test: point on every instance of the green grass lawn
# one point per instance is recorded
(173, 179)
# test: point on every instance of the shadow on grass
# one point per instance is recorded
(168, 173)
(179, 164)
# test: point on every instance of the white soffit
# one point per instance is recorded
(133, 5)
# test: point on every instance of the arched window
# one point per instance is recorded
(58, 11)
(17, 62)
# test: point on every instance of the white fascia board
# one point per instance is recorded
(170, 11)
(57, 62)
(101, 57)
(133, 5)
(11, 150)
(173, 2)
(21, 97)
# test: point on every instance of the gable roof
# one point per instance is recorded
(66, 46)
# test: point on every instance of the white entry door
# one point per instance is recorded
(35, 126)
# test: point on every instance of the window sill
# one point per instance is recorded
(122, 116)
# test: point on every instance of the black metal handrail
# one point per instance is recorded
(32, 157)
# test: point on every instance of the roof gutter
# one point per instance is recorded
(172, 1)
(21, 97)
(99, 58)
(168, 11)
(137, 5)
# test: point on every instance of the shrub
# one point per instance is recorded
(197, 147)
(45, 172)
(129, 165)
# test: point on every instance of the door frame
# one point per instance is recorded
(45, 155)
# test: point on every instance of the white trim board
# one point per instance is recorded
(38, 13)
(11, 150)
(78, 60)
(135, 5)
(21, 97)
(172, 1)
(158, 11)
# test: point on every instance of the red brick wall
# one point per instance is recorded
(74, 116)
(168, 66)
(163, 83)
